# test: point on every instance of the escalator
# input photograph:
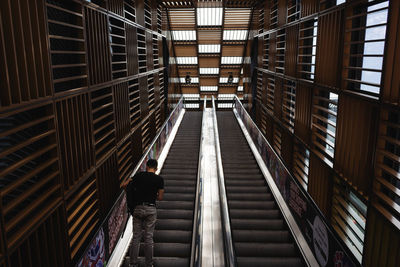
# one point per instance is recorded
(173, 231)
(259, 232)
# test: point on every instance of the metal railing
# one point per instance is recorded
(318, 234)
(172, 116)
(230, 258)
(196, 251)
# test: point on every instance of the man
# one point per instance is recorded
(142, 192)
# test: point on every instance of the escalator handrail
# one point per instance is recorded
(156, 138)
(230, 258)
(336, 238)
(196, 251)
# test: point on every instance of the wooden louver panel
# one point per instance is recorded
(30, 177)
(387, 181)
(129, 10)
(103, 122)
(107, 184)
(116, 6)
(145, 134)
(67, 45)
(118, 48)
(141, 50)
(134, 102)
(289, 104)
(307, 49)
(301, 163)
(324, 124)
(75, 138)
(38, 248)
(121, 108)
(98, 47)
(82, 208)
(125, 164)
(24, 61)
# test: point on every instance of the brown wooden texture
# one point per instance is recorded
(30, 176)
(302, 124)
(103, 122)
(67, 45)
(116, 6)
(329, 43)
(356, 127)
(382, 241)
(287, 149)
(291, 50)
(24, 61)
(98, 47)
(320, 184)
(107, 184)
(309, 7)
(75, 138)
(125, 164)
(44, 246)
(121, 109)
(82, 207)
(391, 77)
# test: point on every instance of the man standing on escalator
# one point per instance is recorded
(142, 192)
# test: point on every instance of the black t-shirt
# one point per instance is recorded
(143, 188)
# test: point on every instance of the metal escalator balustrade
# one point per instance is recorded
(259, 232)
(173, 231)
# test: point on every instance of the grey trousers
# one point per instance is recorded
(144, 217)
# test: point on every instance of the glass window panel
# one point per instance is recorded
(374, 48)
(371, 77)
(379, 17)
(375, 33)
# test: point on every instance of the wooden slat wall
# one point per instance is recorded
(38, 248)
(82, 207)
(302, 124)
(75, 142)
(292, 34)
(71, 119)
(354, 159)
(382, 241)
(97, 45)
(391, 77)
(103, 122)
(121, 107)
(320, 184)
(309, 7)
(329, 43)
(24, 61)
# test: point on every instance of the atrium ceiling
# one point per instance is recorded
(210, 42)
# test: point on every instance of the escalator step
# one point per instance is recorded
(261, 236)
(263, 261)
(174, 224)
(179, 189)
(174, 214)
(245, 224)
(187, 205)
(179, 196)
(249, 196)
(253, 213)
(265, 249)
(246, 189)
(176, 236)
(240, 204)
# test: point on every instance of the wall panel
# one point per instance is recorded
(24, 61)
(121, 108)
(75, 135)
(98, 47)
(302, 124)
(329, 43)
(320, 184)
(291, 50)
(353, 158)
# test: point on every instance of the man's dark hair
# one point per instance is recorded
(152, 163)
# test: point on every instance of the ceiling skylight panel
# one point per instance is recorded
(184, 35)
(209, 71)
(174, 80)
(191, 95)
(186, 60)
(231, 60)
(225, 80)
(210, 48)
(192, 80)
(209, 16)
(235, 35)
(226, 95)
(240, 88)
(209, 88)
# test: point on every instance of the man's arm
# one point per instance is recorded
(160, 194)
